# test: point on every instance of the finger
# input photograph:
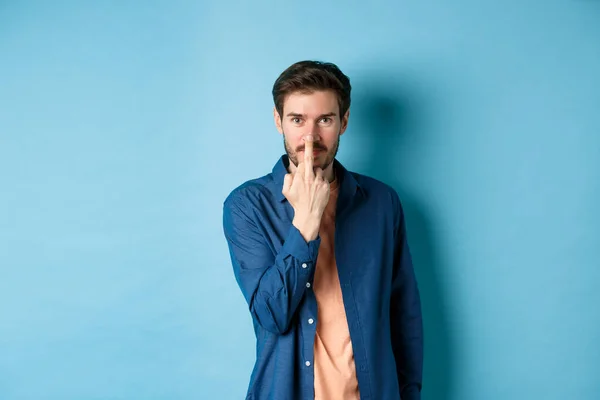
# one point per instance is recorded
(287, 183)
(319, 174)
(308, 157)
(300, 169)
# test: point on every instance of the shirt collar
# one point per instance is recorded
(347, 183)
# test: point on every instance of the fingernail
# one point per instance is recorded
(308, 137)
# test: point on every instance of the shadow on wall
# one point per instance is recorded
(390, 118)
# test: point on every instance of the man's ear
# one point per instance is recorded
(344, 122)
(277, 119)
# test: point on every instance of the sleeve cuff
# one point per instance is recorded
(297, 247)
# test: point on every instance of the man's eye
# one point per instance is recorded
(326, 120)
(296, 120)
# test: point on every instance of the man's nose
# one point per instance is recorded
(313, 130)
(315, 139)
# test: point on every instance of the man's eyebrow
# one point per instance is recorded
(293, 114)
(331, 114)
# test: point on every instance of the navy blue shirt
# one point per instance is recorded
(274, 267)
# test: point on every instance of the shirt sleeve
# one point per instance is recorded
(406, 317)
(272, 284)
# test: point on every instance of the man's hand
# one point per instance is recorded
(308, 193)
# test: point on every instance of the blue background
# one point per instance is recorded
(124, 125)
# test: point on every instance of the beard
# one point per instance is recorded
(329, 153)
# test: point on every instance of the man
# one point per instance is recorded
(321, 256)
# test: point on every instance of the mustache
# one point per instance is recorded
(315, 147)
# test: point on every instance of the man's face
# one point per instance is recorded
(316, 114)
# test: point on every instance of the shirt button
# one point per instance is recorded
(304, 265)
(307, 363)
(310, 321)
(307, 284)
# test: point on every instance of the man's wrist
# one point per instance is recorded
(308, 226)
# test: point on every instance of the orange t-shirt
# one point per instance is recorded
(335, 372)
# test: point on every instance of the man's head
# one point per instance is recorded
(312, 98)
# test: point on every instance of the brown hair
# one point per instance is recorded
(310, 76)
